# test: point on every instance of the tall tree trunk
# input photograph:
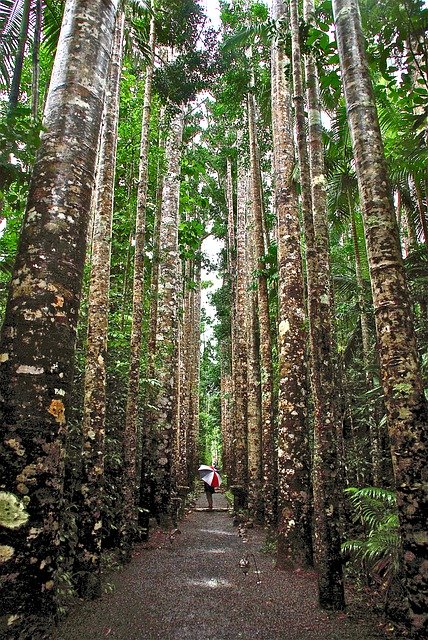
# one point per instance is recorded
(226, 413)
(167, 354)
(405, 402)
(130, 513)
(326, 483)
(294, 528)
(19, 59)
(254, 398)
(373, 433)
(38, 336)
(268, 444)
(238, 332)
(195, 348)
(94, 407)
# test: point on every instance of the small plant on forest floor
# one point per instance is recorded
(269, 546)
(377, 551)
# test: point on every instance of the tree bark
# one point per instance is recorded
(268, 437)
(35, 91)
(38, 336)
(326, 469)
(405, 402)
(130, 513)
(94, 409)
(294, 526)
(238, 331)
(167, 363)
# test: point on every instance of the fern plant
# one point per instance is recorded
(378, 550)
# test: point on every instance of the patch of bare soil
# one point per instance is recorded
(190, 586)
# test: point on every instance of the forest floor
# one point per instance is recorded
(190, 586)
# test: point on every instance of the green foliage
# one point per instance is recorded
(378, 549)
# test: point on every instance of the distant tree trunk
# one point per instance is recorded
(186, 357)
(94, 408)
(254, 397)
(35, 91)
(167, 363)
(226, 413)
(326, 472)
(19, 59)
(406, 406)
(130, 513)
(38, 335)
(195, 348)
(239, 355)
(294, 527)
(269, 469)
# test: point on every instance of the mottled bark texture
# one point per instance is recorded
(238, 332)
(326, 463)
(226, 407)
(130, 513)
(193, 373)
(167, 348)
(401, 378)
(254, 397)
(268, 436)
(294, 517)
(38, 336)
(90, 499)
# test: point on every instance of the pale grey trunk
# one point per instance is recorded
(405, 402)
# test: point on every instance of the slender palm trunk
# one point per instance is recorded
(194, 356)
(269, 469)
(35, 90)
(406, 406)
(94, 408)
(19, 59)
(130, 513)
(38, 335)
(294, 530)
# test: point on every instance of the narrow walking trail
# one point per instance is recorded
(192, 587)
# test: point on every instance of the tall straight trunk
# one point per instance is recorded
(231, 242)
(35, 90)
(130, 513)
(154, 281)
(268, 437)
(38, 335)
(167, 354)
(226, 413)
(254, 398)
(325, 460)
(194, 356)
(405, 402)
(94, 407)
(373, 433)
(186, 337)
(238, 331)
(19, 59)
(294, 527)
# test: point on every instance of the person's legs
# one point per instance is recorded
(210, 499)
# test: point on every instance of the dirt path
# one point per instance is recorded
(193, 589)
